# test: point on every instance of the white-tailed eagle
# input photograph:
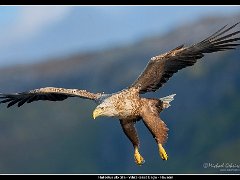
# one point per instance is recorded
(127, 105)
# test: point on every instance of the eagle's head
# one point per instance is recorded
(105, 108)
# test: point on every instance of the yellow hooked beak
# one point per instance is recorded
(96, 113)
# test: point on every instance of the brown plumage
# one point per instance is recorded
(127, 105)
(161, 68)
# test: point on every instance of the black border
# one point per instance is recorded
(135, 176)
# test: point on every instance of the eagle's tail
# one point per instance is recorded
(166, 100)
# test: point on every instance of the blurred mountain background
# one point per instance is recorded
(104, 48)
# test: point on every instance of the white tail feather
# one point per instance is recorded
(166, 100)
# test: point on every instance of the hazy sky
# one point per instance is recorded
(32, 33)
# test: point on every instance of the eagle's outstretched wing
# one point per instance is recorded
(161, 68)
(47, 93)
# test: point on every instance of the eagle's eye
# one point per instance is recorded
(102, 108)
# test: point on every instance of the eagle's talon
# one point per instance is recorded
(138, 158)
(162, 152)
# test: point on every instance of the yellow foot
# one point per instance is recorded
(138, 158)
(162, 152)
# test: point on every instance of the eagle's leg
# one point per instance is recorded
(150, 115)
(130, 131)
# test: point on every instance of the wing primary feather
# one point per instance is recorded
(227, 36)
(6, 100)
(215, 33)
(226, 41)
(13, 102)
(22, 102)
(226, 30)
(31, 99)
